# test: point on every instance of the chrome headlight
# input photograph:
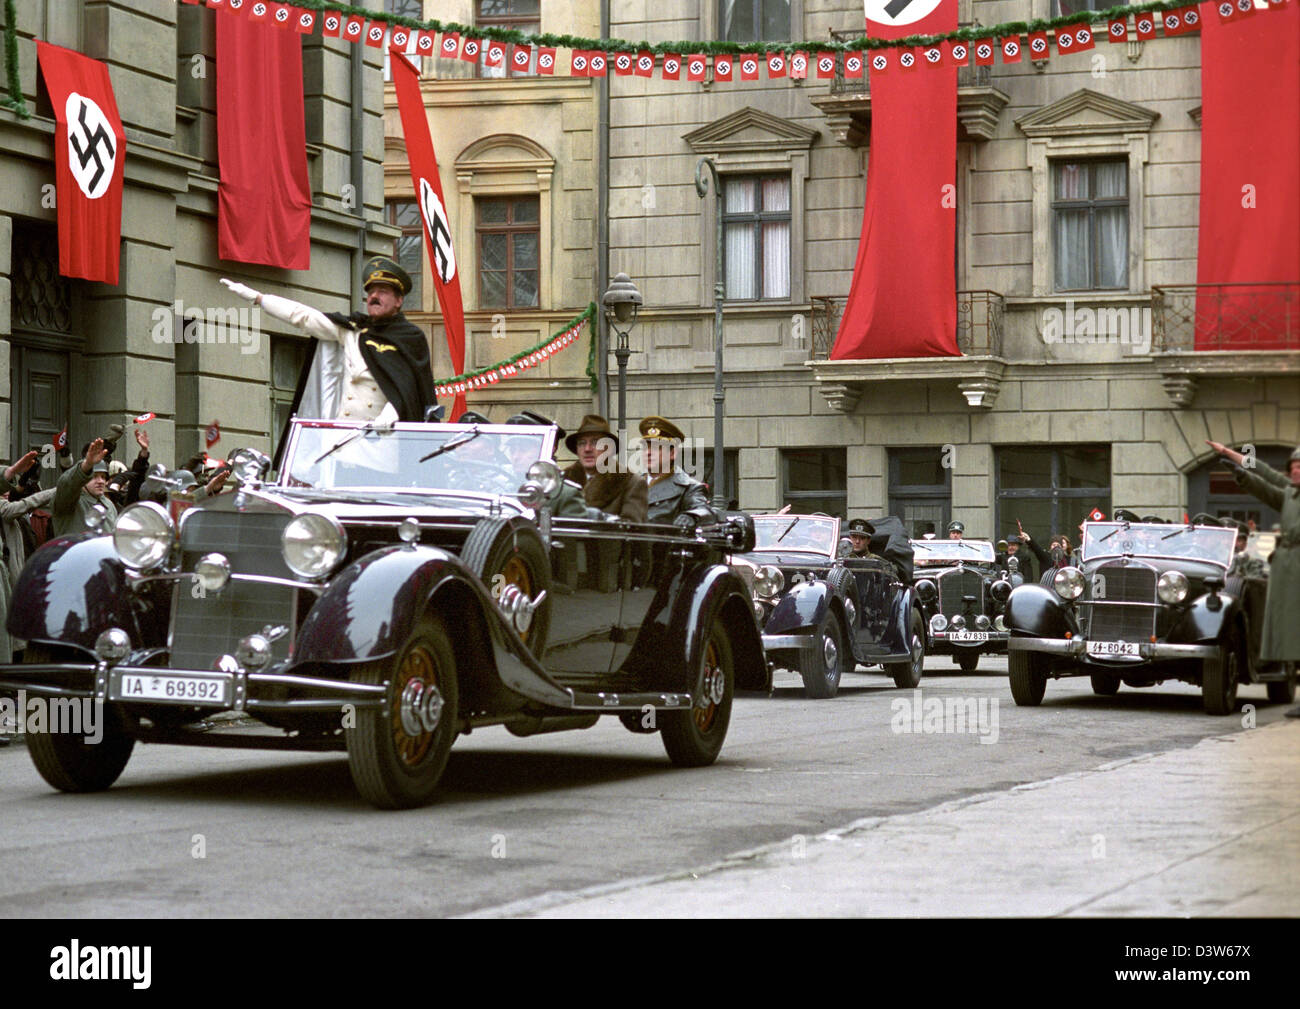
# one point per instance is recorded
(144, 535)
(313, 544)
(768, 581)
(1172, 587)
(212, 572)
(1068, 583)
(926, 590)
(938, 622)
(981, 623)
(1000, 590)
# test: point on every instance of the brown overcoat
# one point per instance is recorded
(623, 494)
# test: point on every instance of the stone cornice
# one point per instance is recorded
(723, 135)
(1104, 114)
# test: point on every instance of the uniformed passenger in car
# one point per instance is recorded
(675, 496)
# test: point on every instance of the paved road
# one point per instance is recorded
(285, 834)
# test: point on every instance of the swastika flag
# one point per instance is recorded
(89, 158)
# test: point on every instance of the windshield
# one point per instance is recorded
(1202, 543)
(931, 551)
(492, 458)
(808, 533)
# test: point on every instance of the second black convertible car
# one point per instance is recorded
(823, 613)
(389, 591)
(961, 591)
(1151, 602)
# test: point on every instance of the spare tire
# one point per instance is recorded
(509, 557)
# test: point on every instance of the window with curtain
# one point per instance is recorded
(408, 249)
(508, 251)
(756, 237)
(519, 15)
(1090, 225)
(1060, 7)
(754, 20)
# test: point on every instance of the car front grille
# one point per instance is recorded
(955, 584)
(206, 626)
(1114, 590)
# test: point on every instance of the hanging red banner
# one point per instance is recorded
(1037, 42)
(723, 65)
(597, 64)
(427, 185)
(775, 66)
(696, 66)
(624, 65)
(672, 68)
(450, 45)
(1117, 29)
(958, 53)
(825, 66)
(1144, 26)
(645, 64)
(749, 67)
(305, 21)
(89, 162)
(354, 28)
(1011, 50)
(546, 60)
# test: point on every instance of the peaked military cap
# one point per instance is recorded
(861, 527)
(658, 427)
(956, 527)
(382, 270)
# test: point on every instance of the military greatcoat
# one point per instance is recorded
(1281, 640)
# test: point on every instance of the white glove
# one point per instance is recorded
(383, 424)
(243, 290)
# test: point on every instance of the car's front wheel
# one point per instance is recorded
(1028, 678)
(1104, 685)
(397, 759)
(908, 674)
(1219, 679)
(694, 738)
(88, 759)
(821, 666)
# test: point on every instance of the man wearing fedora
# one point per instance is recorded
(675, 495)
(597, 471)
(80, 491)
(371, 365)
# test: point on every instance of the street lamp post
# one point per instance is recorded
(719, 295)
(622, 303)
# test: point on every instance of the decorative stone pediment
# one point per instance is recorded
(750, 130)
(504, 150)
(1087, 112)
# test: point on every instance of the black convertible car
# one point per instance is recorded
(389, 591)
(822, 613)
(1150, 602)
(962, 592)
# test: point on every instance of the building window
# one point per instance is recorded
(288, 356)
(508, 246)
(1051, 490)
(519, 15)
(408, 249)
(756, 222)
(402, 8)
(730, 478)
(920, 489)
(815, 480)
(754, 20)
(1061, 7)
(1090, 225)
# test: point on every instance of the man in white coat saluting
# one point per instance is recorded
(374, 365)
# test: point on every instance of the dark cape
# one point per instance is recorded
(397, 354)
(889, 539)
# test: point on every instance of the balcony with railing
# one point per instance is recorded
(977, 373)
(847, 105)
(1223, 330)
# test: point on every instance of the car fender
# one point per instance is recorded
(803, 607)
(900, 616)
(1038, 612)
(372, 606)
(75, 587)
(671, 639)
(1201, 625)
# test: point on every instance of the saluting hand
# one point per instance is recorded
(142, 439)
(95, 451)
(243, 290)
(1226, 452)
(21, 465)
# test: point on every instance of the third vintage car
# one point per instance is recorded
(822, 613)
(962, 591)
(387, 592)
(1150, 602)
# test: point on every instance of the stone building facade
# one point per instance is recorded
(89, 354)
(1025, 425)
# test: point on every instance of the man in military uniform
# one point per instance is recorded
(956, 530)
(80, 493)
(1243, 564)
(860, 539)
(1281, 634)
(371, 365)
(675, 496)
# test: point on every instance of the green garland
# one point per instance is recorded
(586, 315)
(822, 45)
(15, 99)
